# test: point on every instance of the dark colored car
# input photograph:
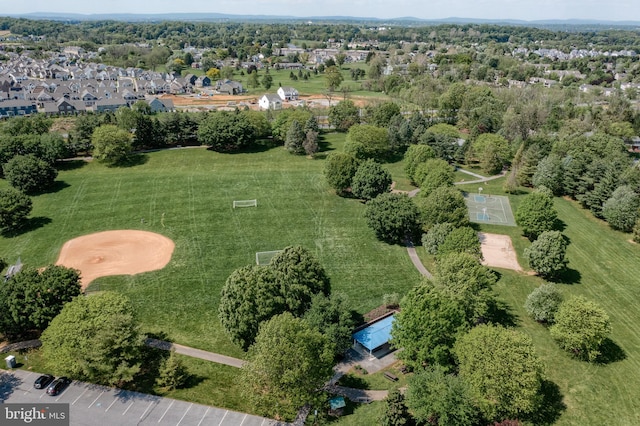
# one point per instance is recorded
(58, 385)
(43, 381)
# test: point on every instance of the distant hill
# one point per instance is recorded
(222, 17)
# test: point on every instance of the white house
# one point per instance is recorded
(270, 101)
(288, 93)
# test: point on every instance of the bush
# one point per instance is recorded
(543, 302)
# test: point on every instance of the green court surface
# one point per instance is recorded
(490, 209)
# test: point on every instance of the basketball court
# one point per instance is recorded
(490, 209)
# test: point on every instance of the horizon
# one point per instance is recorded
(493, 10)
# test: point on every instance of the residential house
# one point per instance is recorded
(161, 105)
(287, 93)
(112, 105)
(13, 108)
(270, 101)
(203, 81)
(228, 87)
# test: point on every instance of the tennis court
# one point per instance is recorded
(492, 209)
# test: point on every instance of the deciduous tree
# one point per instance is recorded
(444, 204)
(393, 217)
(333, 318)
(14, 208)
(414, 156)
(29, 174)
(536, 214)
(370, 180)
(111, 145)
(502, 370)
(427, 326)
(438, 398)
(96, 339)
(288, 365)
(543, 302)
(367, 141)
(581, 326)
(226, 132)
(546, 255)
(339, 170)
(343, 115)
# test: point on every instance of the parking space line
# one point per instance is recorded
(225, 415)
(145, 411)
(43, 394)
(125, 411)
(185, 413)
(85, 391)
(111, 405)
(94, 401)
(243, 419)
(165, 411)
(205, 415)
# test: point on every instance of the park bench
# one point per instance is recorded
(390, 376)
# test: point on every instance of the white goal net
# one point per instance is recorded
(264, 257)
(245, 203)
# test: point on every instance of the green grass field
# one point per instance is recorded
(603, 267)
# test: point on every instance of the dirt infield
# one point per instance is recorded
(124, 252)
(498, 251)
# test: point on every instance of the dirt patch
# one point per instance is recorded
(126, 252)
(498, 251)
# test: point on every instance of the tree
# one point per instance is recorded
(381, 115)
(393, 217)
(636, 232)
(437, 398)
(340, 58)
(370, 180)
(343, 115)
(299, 276)
(281, 125)
(395, 412)
(249, 296)
(172, 374)
(226, 132)
(546, 255)
(259, 122)
(96, 339)
(427, 326)
(213, 73)
(435, 236)
(29, 174)
(267, 81)
(295, 138)
(111, 145)
(549, 173)
(332, 317)
(536, 214)
(287, 366)
(581, 326)
(621, 210)
(333, 77)
(491, 151)
(14, 208)
(310, 143)
(444, 204)
(466, 280)
(414, 156)
(252, 80)
(433, 174)
(32, 298)
(339, 170)
(461, 240)
(367, 141)
(543, 302)
(502, 370)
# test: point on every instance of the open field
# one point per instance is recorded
(193, 190)
(603, 267)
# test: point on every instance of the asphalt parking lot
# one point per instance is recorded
(93, 405)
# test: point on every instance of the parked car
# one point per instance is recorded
(58, 385)
(43, 381)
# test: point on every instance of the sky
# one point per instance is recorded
(529, 10)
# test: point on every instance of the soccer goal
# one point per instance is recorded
(264, 257)
(245, 203)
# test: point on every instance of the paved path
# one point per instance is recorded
(196, 353)
(413, 255)
(480, 178)
(359, 395)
